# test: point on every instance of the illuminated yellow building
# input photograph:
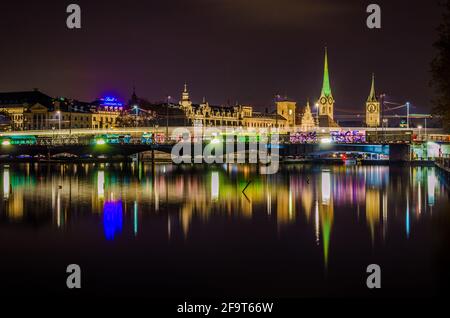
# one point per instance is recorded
(235, 116)
(307, 120)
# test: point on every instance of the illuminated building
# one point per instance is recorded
(372, 107)
(307, 120)
(34, 110)
(236, 116)
(14, 104)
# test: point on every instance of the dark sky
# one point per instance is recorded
(225, 49)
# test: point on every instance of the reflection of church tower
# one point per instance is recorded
(372, 107)
(373, 209)
(326, 212)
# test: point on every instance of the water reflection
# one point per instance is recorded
(318, 200)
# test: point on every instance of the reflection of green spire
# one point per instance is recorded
(372, 95)
(326, 233)
(326, 89)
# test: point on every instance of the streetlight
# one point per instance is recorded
(59, 120)
(316, 105)
(135, 107)
(407, 114)
(167, 118)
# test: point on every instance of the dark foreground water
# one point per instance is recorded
(175, 231)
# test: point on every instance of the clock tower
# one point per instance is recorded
(326, 101)
(372, 107)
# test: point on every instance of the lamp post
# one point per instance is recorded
(59, 120)
(407, 114)
(167, 118)
(425, 131)
(135, 107)
(316, 105)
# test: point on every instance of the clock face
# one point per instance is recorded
(371, 108)
(323, 100)
(330, 100)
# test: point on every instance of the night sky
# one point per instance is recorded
(227, 50)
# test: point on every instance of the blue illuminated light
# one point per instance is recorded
(112, 218)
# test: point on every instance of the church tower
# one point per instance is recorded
(326, 101)
(185, 101)
(372, 107)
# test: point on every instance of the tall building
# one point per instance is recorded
(286, 109)
(185, 101)
(373, 110)
(326, 100)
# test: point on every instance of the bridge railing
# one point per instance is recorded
(444, 162)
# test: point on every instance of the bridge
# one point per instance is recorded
(82, 143)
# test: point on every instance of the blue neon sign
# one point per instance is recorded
(110, 101)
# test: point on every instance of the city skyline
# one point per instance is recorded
(218, 52)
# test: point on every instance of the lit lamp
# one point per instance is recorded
(59, 118)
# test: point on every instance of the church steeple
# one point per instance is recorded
(326, 101)
(185, 94)
(134, 99)
(185, 100)
(372, 96)
(373, 107)
(326, 89)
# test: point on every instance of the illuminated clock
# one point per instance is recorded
(330, 100)
(371, 108)
(323, 100)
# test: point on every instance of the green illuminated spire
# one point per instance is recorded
(372, 95)
(326, 89)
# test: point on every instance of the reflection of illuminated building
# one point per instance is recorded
(372, 209)
(193, 195)
(431, 185)
(326, 187)
(284, 206)
(6, 188)
(135, 218)
(214, 185)
(112, 218)
(101, 184)
(307, 201)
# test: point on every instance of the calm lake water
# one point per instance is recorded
(163, 231)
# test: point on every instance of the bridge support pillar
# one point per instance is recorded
(399, 152)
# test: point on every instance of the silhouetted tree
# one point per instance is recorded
(440, 67)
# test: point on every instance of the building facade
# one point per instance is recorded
(33, 110)
(236, 116)
(307, 122)
(13, 105)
